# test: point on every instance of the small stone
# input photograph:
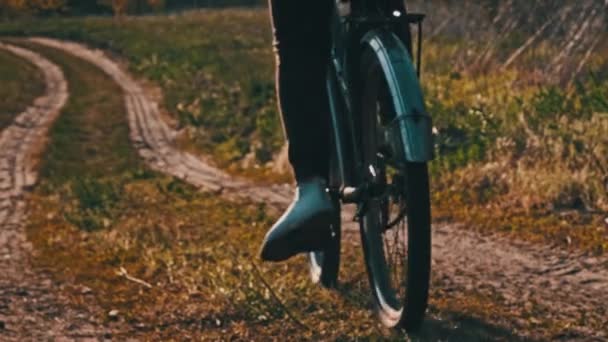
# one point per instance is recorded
(113, 314)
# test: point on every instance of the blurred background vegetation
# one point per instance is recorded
(518, 91)
(20, 8)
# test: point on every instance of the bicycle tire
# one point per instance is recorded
(404, 303)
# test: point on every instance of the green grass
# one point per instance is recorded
(93, 142)
(20, 84)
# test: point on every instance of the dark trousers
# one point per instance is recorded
(302, 44)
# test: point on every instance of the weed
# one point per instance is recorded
(96, 203)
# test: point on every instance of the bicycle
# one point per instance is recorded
(381, 144)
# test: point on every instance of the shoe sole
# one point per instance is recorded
(314, 236)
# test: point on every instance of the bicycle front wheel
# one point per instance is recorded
(396, 225)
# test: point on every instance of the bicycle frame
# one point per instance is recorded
(384, 27)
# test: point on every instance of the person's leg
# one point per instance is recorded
(302, 44)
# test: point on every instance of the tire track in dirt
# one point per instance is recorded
(30, 308)
(153, 138)
(565, 286)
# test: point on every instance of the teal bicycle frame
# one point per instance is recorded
(382, 26)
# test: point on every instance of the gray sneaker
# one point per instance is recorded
(305, 226)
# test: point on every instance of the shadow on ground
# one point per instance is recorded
(451, 326)
(458, 327)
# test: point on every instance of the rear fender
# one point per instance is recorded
(412, 124)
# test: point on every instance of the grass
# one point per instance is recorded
(21, 84)
(530, 162)
(92, 219)
(508, 140)
(225, 107)
(172, 263)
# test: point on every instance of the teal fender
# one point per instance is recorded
(412, 122)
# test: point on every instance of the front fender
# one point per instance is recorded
(412, 122)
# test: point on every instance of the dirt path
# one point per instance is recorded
(153, 137)
(29, 306)
(539, 284)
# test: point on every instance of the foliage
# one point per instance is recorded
(551, 40)
(519, 111)
(95, 205)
